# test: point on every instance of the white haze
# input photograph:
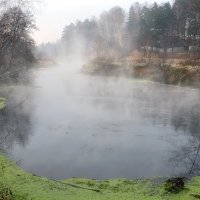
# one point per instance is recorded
(100, 122)
(105, 127)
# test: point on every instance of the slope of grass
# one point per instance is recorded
(15, 184)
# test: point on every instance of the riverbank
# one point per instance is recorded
(15, 184)
(170, 71)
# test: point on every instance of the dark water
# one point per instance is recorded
(73, 125)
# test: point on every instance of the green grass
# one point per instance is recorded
(16, 184)
(2, 103)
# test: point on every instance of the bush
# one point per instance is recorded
(174, 185)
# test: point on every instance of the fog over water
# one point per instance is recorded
(74, 125)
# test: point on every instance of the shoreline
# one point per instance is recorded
(18, 184)
(166, 73)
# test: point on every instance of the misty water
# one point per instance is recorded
(67, 124)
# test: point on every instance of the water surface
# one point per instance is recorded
(73, 125)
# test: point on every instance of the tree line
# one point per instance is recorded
(16, 43)
(160, 28)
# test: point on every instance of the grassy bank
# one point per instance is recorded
(171, 72)
(184, 75)
(20, 185)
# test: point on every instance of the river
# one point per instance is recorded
(67, 124)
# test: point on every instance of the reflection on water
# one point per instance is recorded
(72, 125)
(189, 157)
(187, 119)
(14, 123)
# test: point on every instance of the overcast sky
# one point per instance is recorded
(53, 15)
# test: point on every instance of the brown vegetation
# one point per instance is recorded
(179, 69)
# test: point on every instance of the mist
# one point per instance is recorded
(99, 127)
(115, 96)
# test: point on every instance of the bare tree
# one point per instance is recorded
(16, 45)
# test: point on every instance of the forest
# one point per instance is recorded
(160, 28)
(164, 29)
